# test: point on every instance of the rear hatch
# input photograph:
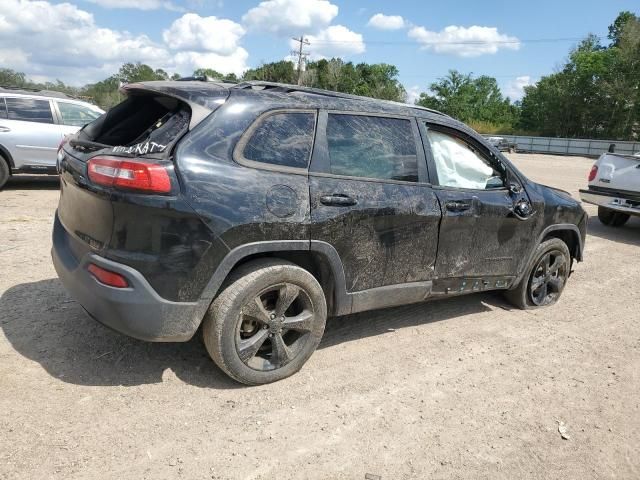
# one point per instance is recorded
(140, 132)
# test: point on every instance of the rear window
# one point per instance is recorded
(29, 110)
(284, 139)
(372, 147)
(76, 115)
(140, 125)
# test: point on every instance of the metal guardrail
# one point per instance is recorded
(569, 146)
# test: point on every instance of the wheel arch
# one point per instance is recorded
(6, 156)
(569, 234)
(318, 258)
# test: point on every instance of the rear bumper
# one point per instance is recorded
(611, 200)
(137, 311)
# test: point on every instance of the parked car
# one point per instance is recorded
(614, 185)
(258, 209)
(32, 125)
(502, 144)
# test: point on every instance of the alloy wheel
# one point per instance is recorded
(548, 278)
(274, 326)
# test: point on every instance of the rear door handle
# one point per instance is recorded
(458, 205)
(337, 200)
(4, 129)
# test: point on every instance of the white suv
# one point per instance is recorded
(32, 125)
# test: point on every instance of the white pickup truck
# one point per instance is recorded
(614, 185)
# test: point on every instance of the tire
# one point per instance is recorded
(246, 331)
(5, 172)
(545, 280)
(611, 218)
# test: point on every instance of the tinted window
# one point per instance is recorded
(372, 147)
(3, 109)
(76, 115)
(459, 164)
(29, 110)
(282, 139)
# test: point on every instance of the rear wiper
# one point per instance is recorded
(87, 144)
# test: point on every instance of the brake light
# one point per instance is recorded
(593, 173)
(129, 174)
(107, 277)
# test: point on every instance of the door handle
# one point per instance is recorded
(4, 129)
(337, 200)
(458, 205)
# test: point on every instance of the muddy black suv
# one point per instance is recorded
(257, 209)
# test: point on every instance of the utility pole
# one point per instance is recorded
(302, 56)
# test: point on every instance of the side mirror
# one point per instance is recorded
(515, 188)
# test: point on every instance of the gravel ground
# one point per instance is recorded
(458, 388)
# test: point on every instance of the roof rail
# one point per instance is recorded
(34, 91)
(286, 88)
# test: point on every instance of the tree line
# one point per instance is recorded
(594, 94)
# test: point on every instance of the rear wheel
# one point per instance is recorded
(612, 218)
(266, 323)
(546, 278)
(4, 172)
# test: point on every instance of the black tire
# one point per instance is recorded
(246, 331)
(545, 279)
(611, 218)
(5, 172)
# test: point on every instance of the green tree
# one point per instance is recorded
(596, 93)
(470, 99)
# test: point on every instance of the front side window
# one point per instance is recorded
(459, 164)
(29, 110)
(76, 115)
(284, 139)
(372, 147)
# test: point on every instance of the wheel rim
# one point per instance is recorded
(548, 278)
(274, 327)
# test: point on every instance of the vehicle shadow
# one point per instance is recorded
(629, 233)
(32, 182)
(45, 325)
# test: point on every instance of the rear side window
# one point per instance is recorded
(372, 147)
(284, 139)
(76, 115)
(29, 110)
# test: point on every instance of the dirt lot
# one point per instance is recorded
(460, 388)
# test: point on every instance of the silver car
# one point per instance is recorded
(32, 125)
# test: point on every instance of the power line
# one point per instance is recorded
(302, 56)
(457, 42)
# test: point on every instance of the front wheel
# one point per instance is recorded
(266, 323)
(4, 172)
(546, 278)
(612, 218)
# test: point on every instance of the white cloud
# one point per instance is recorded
(290, 17)
(211, 34)
(515, 89)
(464, 41)
(138, 4)
(413, 94)
(85, 52)
(234, 63)
(386, 22)
(334, 41)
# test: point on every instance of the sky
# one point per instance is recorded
(83, 41)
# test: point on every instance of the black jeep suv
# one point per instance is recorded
(257, 209)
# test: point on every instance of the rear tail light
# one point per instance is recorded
(593, 173)
(107, 277)
(129, 174)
